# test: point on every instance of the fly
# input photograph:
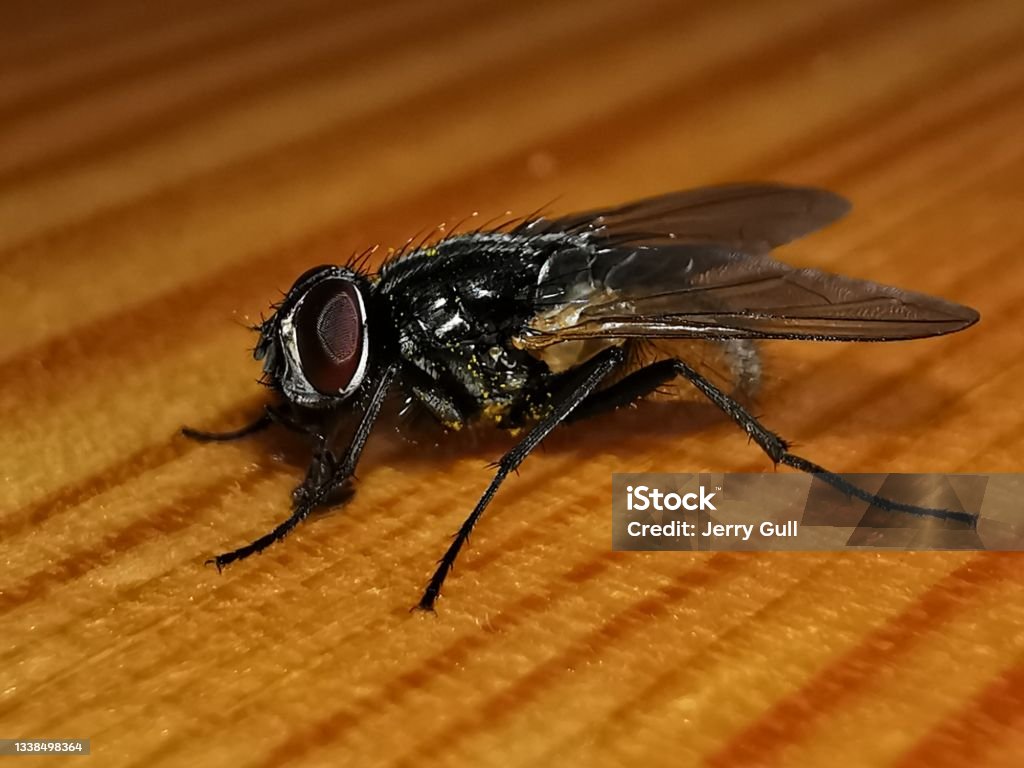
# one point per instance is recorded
(537, 323)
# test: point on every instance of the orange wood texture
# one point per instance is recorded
(165, 170)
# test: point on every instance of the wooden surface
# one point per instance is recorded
(164, 171)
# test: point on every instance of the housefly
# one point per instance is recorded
(539, 322)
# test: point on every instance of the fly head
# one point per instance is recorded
(314, 347)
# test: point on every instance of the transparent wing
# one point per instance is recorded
(753, 218)
(701, 291)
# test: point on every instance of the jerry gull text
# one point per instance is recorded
(677, 529)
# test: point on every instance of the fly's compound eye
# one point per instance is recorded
(329, 336)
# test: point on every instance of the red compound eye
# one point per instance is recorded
(329, 335)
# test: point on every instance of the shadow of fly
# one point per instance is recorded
(536, 323)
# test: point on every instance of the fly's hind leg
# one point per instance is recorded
(649, 378)
(627, 390)
(741, 355)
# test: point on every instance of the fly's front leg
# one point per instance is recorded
(323, 463)
(321, 466)
(593, 374)
(339, 474)
(321, 469)
(257, 425)
(271, 415)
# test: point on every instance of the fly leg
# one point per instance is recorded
(270, 415)
(339, 474)
(649, 378)
(743, 362)
(321, 465)
(258, 425)
(627, 390)
(777, 450)
(593, 375)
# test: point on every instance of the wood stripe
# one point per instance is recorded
(991, 718)
(614, 629)
(151, 103)
(795, 717)
(195, 32)
(163, 521)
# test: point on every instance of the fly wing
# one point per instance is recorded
(710, 291)
(753, 218)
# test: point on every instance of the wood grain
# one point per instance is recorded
(165, 171)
